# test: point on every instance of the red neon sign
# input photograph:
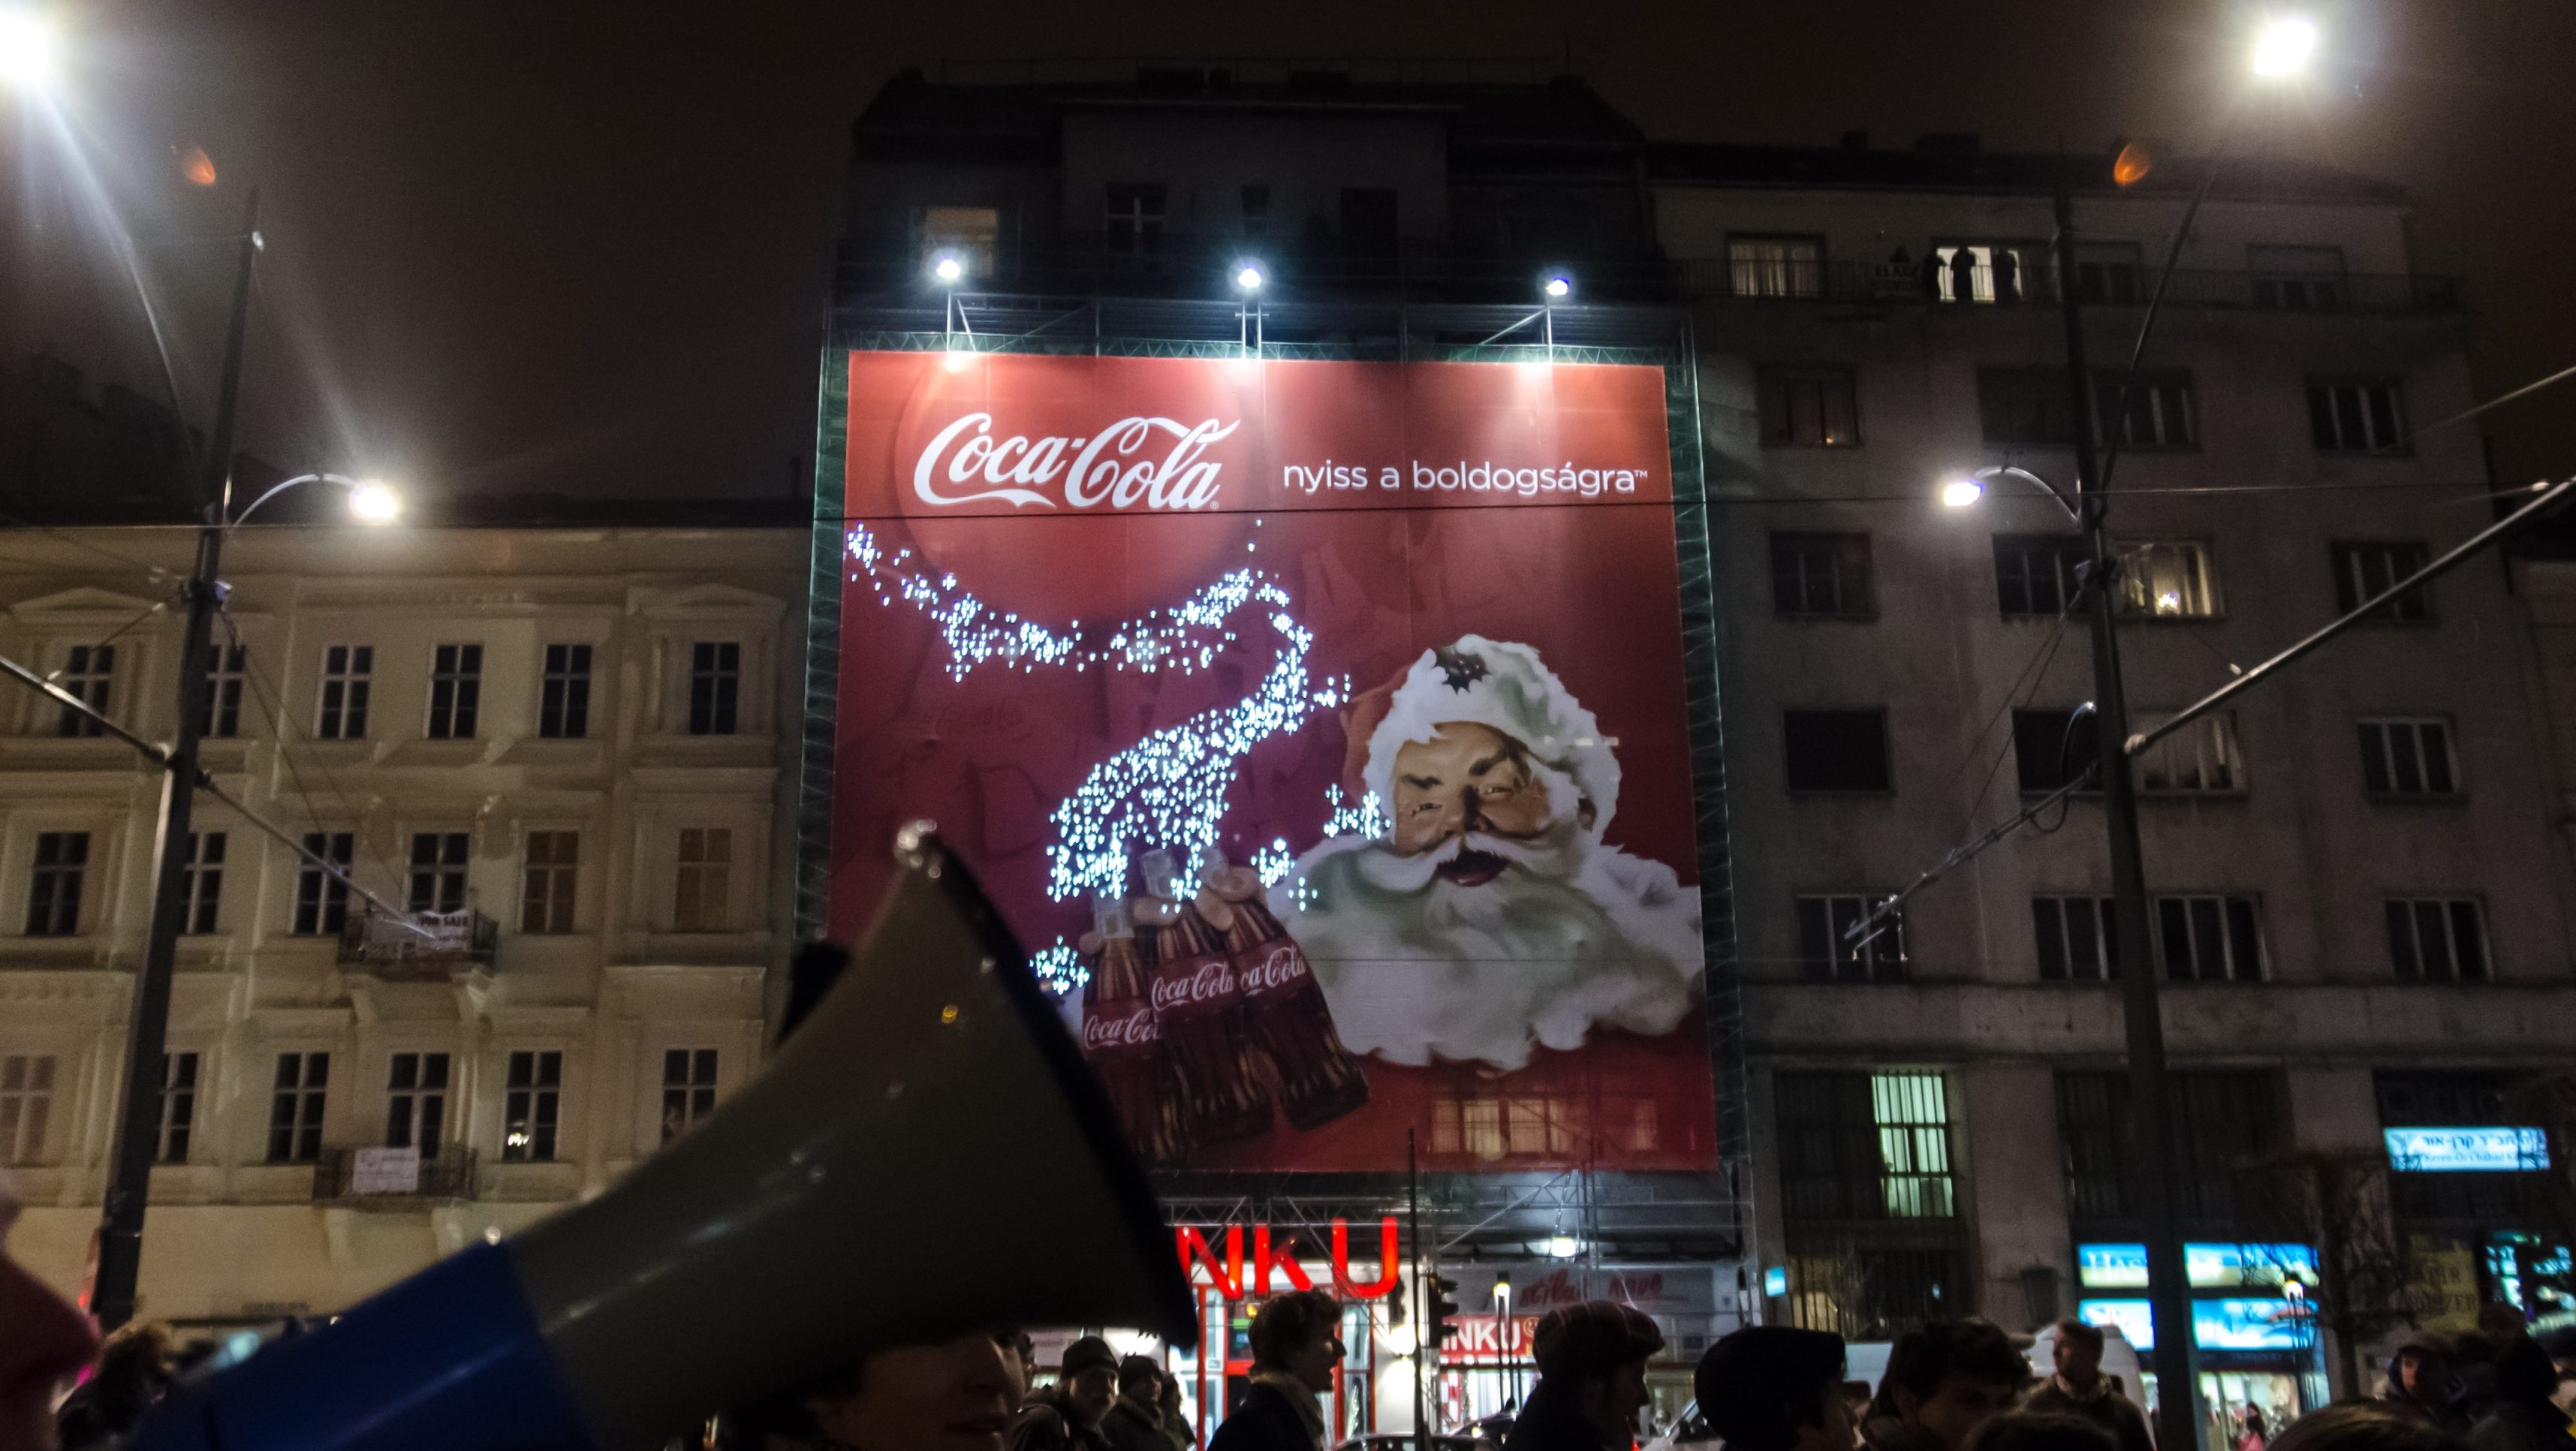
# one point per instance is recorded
(1272, 1252)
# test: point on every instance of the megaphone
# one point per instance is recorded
(927, 1157)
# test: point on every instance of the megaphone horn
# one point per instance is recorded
(928, 1156)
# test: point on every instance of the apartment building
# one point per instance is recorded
(559, 754)
(2360, 884)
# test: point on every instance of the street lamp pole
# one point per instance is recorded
(2150, 1110)
(120, 1241)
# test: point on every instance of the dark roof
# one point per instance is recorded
(1958, 163)
(914, 118)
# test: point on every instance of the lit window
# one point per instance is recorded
(1776, 266)
(529, 1106)
(688, 1089)
(2169, 579)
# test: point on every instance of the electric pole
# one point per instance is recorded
(2150, 1110)
(138, 1130)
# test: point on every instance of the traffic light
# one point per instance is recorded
(1444, 1312)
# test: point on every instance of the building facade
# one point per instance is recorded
(2361, 898)
(563, 753)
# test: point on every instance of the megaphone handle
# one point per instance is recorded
(450, 1358)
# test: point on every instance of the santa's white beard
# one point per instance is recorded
(1571, 935)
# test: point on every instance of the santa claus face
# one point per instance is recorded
(1467, 778)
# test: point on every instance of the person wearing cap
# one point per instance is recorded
(1135, 1419)
(1943, 1381)
(1066, 1416)
(2079, 1388)
(1295, 1345)
(1774, 1388)
(2422, 1385)
(1591, 1379)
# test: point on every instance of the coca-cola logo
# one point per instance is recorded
(1193, 984)
(1110, 1034)
(1279, 969)
(1152, 462)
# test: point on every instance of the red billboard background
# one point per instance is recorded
(1096, 606)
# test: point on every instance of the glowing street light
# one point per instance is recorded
(372, 501)
(1558, 287)
(1249, 278)
(948, 267)
(1960, 493)
(30, 50)
(2285, 46)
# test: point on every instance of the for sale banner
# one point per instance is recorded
(1318, 725)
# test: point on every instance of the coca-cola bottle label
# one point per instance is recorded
(1189, 988)
(1270, 969)
(1124, 1031)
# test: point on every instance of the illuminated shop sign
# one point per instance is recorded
(2210, 1266)
(2459, 1150)
(2232, 1324)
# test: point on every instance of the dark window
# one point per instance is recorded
(563, 703)
(1835, 750)
(1369, 235)
(26, 1101)
(1808, 408)
(1827, 951)
(2437, 939)
(2107, 272)
(202, 889)
(87, 674)
(2222, 1122)
(688, 1089)
(1864, 1146)
(2161, 412)
(2363, 416)
(54, 886)
(2025, 405)
(455, 691)
(2364, 570)
(2035, 574)
(2307, 278)
(178, 1116)
(715, 684)
(2210, 939)
(438, 871)
(2047, 756)
(295, 1105)
(2076, 939)
(347, 675)
(1135, 221)
(702, 892)
(321, 899)
(529, 1106)
(1776, 266)
(225, 666)
(547, 890)
(416, 1102)
(2402, 757)
(1825, 576)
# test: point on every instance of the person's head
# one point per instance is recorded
(1295, 1334)
(2360, 1426)
(2254, 1420)
(1022, 1351)
(2421, 1369)
(47, 1342)
(1597, 1352)
(1140, 1380)
(954, 1396)
(1949, 1378)
(2040, 1431)
(2077, 1351)
(1772, 1388)
(2502, 1323)
(2525, 1372)
(1090, 1379)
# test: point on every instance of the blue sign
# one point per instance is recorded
(2209, 1266)
(1775, 1280)
(2231, 1324)
(2467, 1150)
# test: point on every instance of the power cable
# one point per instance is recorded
(270, 701)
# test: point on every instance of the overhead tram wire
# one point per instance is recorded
(270, 700)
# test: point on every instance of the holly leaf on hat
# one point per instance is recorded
(1459, 669)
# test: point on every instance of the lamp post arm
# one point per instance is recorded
(274, 490)
(2052, 490)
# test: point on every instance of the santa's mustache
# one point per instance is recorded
(1391, 871)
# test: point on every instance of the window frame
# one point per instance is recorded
(532, 1105)
(1144, 228)
(2212, 734)
(58, 904)
(704, 880)
(2137, 600)
(2322, 390)
(2224, 923)
(174, 1124)
(715, 696)
(89, 673)
(345, 687)
(455, 691)
(1848, 568)
(2101, 928)
(2065, 553)
(2461, 941)
(689, 1094)
(1787, 267)
(28, 1084)
(2163, 392)
(416, 1100)
(1790, 754)
(564, 681)
(2348, 559)
(202, 883)
(227, 665)
(297, 1104)
(322, 900)
(1775, 388)
(2414, 727)
(438, 870)
(550, 884)
(1885, 958)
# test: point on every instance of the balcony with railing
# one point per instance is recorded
(2105, 284)
(426, 944)
(393, 1179)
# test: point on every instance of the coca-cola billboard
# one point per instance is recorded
(1320, 726)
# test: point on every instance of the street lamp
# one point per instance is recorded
(1968, 489)
(30, 49)
(2284, 46)
(371, 501)
(1558, 287)
(1248, 278)
(948, 268)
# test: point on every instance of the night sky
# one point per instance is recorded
(577, 247)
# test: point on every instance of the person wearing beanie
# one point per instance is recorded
(1066, 1416)
(1135, 1419)
(2423, 1384)
(1296, 1342)
(1774, 1388)
(1591, 1379)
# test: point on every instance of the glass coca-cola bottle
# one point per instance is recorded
(1319, 1080)
(1123, 1043)
(1194, 998)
